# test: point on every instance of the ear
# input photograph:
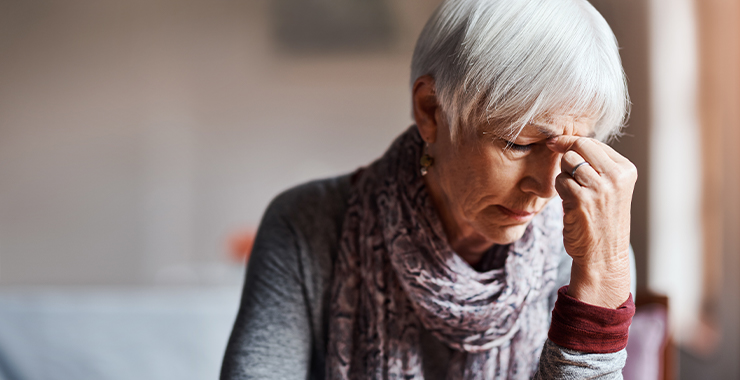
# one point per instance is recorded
(426, 108)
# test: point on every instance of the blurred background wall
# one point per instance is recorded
(137, 137)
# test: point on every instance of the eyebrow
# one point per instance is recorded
(543, 129)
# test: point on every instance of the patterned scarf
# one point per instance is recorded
(395, 274)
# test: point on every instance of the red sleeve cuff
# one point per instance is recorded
(587, 328)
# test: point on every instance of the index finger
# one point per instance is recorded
(589, 149)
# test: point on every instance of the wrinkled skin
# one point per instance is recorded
(487, 191)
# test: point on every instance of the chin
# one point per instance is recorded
(506, 234)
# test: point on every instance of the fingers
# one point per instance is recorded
(613, 154)
(568, 189)
(585, 175)
(591, 150)
(561, 144)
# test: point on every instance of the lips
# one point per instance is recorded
(519, 215)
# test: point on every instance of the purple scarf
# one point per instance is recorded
(395, 274)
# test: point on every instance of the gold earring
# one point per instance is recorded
(426, 161)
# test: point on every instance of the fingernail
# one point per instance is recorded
(552, 140)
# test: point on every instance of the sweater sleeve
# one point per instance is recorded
(271, 338)
(561, 363)
(590, 340)
(586, 341)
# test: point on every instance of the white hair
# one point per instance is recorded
(507, 63)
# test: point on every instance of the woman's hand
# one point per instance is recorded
(596, 200)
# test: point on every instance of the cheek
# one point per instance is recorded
(486, 179)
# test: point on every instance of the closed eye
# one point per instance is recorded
(517, 147)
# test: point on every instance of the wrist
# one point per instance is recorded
(601, 284)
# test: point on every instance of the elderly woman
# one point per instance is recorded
(447, 258)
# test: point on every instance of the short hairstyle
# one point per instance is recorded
(509, 62)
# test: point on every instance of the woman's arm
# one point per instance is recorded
(596, 186)
(591, 318)
(585, 341)
(558, 362)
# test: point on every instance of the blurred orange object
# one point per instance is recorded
(240, 244)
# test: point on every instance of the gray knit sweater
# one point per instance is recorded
(281, 328)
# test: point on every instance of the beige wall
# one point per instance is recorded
(136, 136)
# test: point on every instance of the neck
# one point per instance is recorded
(468, 243)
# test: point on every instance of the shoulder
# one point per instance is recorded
(299, 234)
(319, 198)
(293, 253)
(313, 210)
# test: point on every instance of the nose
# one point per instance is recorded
(540, 172)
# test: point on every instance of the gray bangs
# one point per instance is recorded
(503, 64)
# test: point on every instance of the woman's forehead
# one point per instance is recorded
(551, 126)
(543, 126)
